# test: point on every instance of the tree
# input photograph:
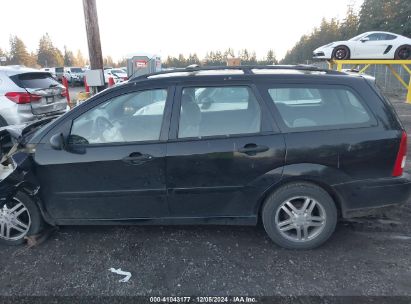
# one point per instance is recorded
(4, 54)
(386, 15)
(48, 55)
(68, 57)
(193, 59)
(269, 59)
(79, 59)
(327, 32)
(122, 62)
(244, 56)
(350, 24)
(18, 52)
(182, 61)
(108, 61)
(229, 53)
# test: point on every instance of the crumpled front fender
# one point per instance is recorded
(17, 175)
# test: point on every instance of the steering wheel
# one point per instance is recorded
(206, 102)
(100, 125)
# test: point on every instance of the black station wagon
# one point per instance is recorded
(295, 147)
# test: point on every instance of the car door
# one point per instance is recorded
(113, 163)
(373, 46)
(224, 151)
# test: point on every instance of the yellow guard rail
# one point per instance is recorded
(389, 63)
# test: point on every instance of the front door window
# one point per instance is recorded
(131, 117)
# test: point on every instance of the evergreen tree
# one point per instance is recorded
(108, 61)
(80, 61)
(350, 24)
(18, 52)
(48, 55)
(3, 54)
(68, 57)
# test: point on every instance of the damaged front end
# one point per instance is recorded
(16, 165)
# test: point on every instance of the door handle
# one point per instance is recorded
(253, 149)
(137, 158)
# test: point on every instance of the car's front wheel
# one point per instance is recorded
(299, 216)
(20, 216)
(403, 52)
(341, 53)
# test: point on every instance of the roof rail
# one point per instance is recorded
(247, 69)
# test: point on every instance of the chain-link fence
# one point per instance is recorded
(383, 75)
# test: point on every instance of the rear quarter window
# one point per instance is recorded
(320, 107)
(34, 80)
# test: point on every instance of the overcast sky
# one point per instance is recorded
(169, 27)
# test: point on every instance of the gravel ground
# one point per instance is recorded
(369, 256)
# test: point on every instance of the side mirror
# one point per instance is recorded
(57, 141)
(365, 39)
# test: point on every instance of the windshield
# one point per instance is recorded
(34, 80)
(117, 71)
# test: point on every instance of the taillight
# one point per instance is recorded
(64, 92)
(22, 97)
(401, 156)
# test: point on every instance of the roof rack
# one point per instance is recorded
(247, 69)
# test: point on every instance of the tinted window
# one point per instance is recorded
(76, 70)
(390, 37)
(34, 80)
(212, 111)
(317, 107)
(377, 36)
(126, 118)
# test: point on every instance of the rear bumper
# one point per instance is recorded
(359, 197)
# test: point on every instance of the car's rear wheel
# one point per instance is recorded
(403, 52)
(341, 52)
(19, 217)
(299, 216)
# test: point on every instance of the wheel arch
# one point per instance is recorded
(3, 121)
(304, 179)
(32, 191)
(342, 45)
(399, 47)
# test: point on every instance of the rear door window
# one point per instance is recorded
(320, 107)
(34, 80)
(218, 111)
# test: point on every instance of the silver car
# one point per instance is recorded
(28, 94)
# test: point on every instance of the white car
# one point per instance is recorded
(118, 73)
(108, 75)
(52, 71)
(27, 94)
(369, 45)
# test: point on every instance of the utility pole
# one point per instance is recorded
(93, 35)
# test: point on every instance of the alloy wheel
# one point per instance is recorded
(15, 220)
(300, 219)
(340, 54)
(404, 52)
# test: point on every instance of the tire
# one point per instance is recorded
(323, 216)
(403, 52)
(33, 219)
(341, 52)
(3, 122)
